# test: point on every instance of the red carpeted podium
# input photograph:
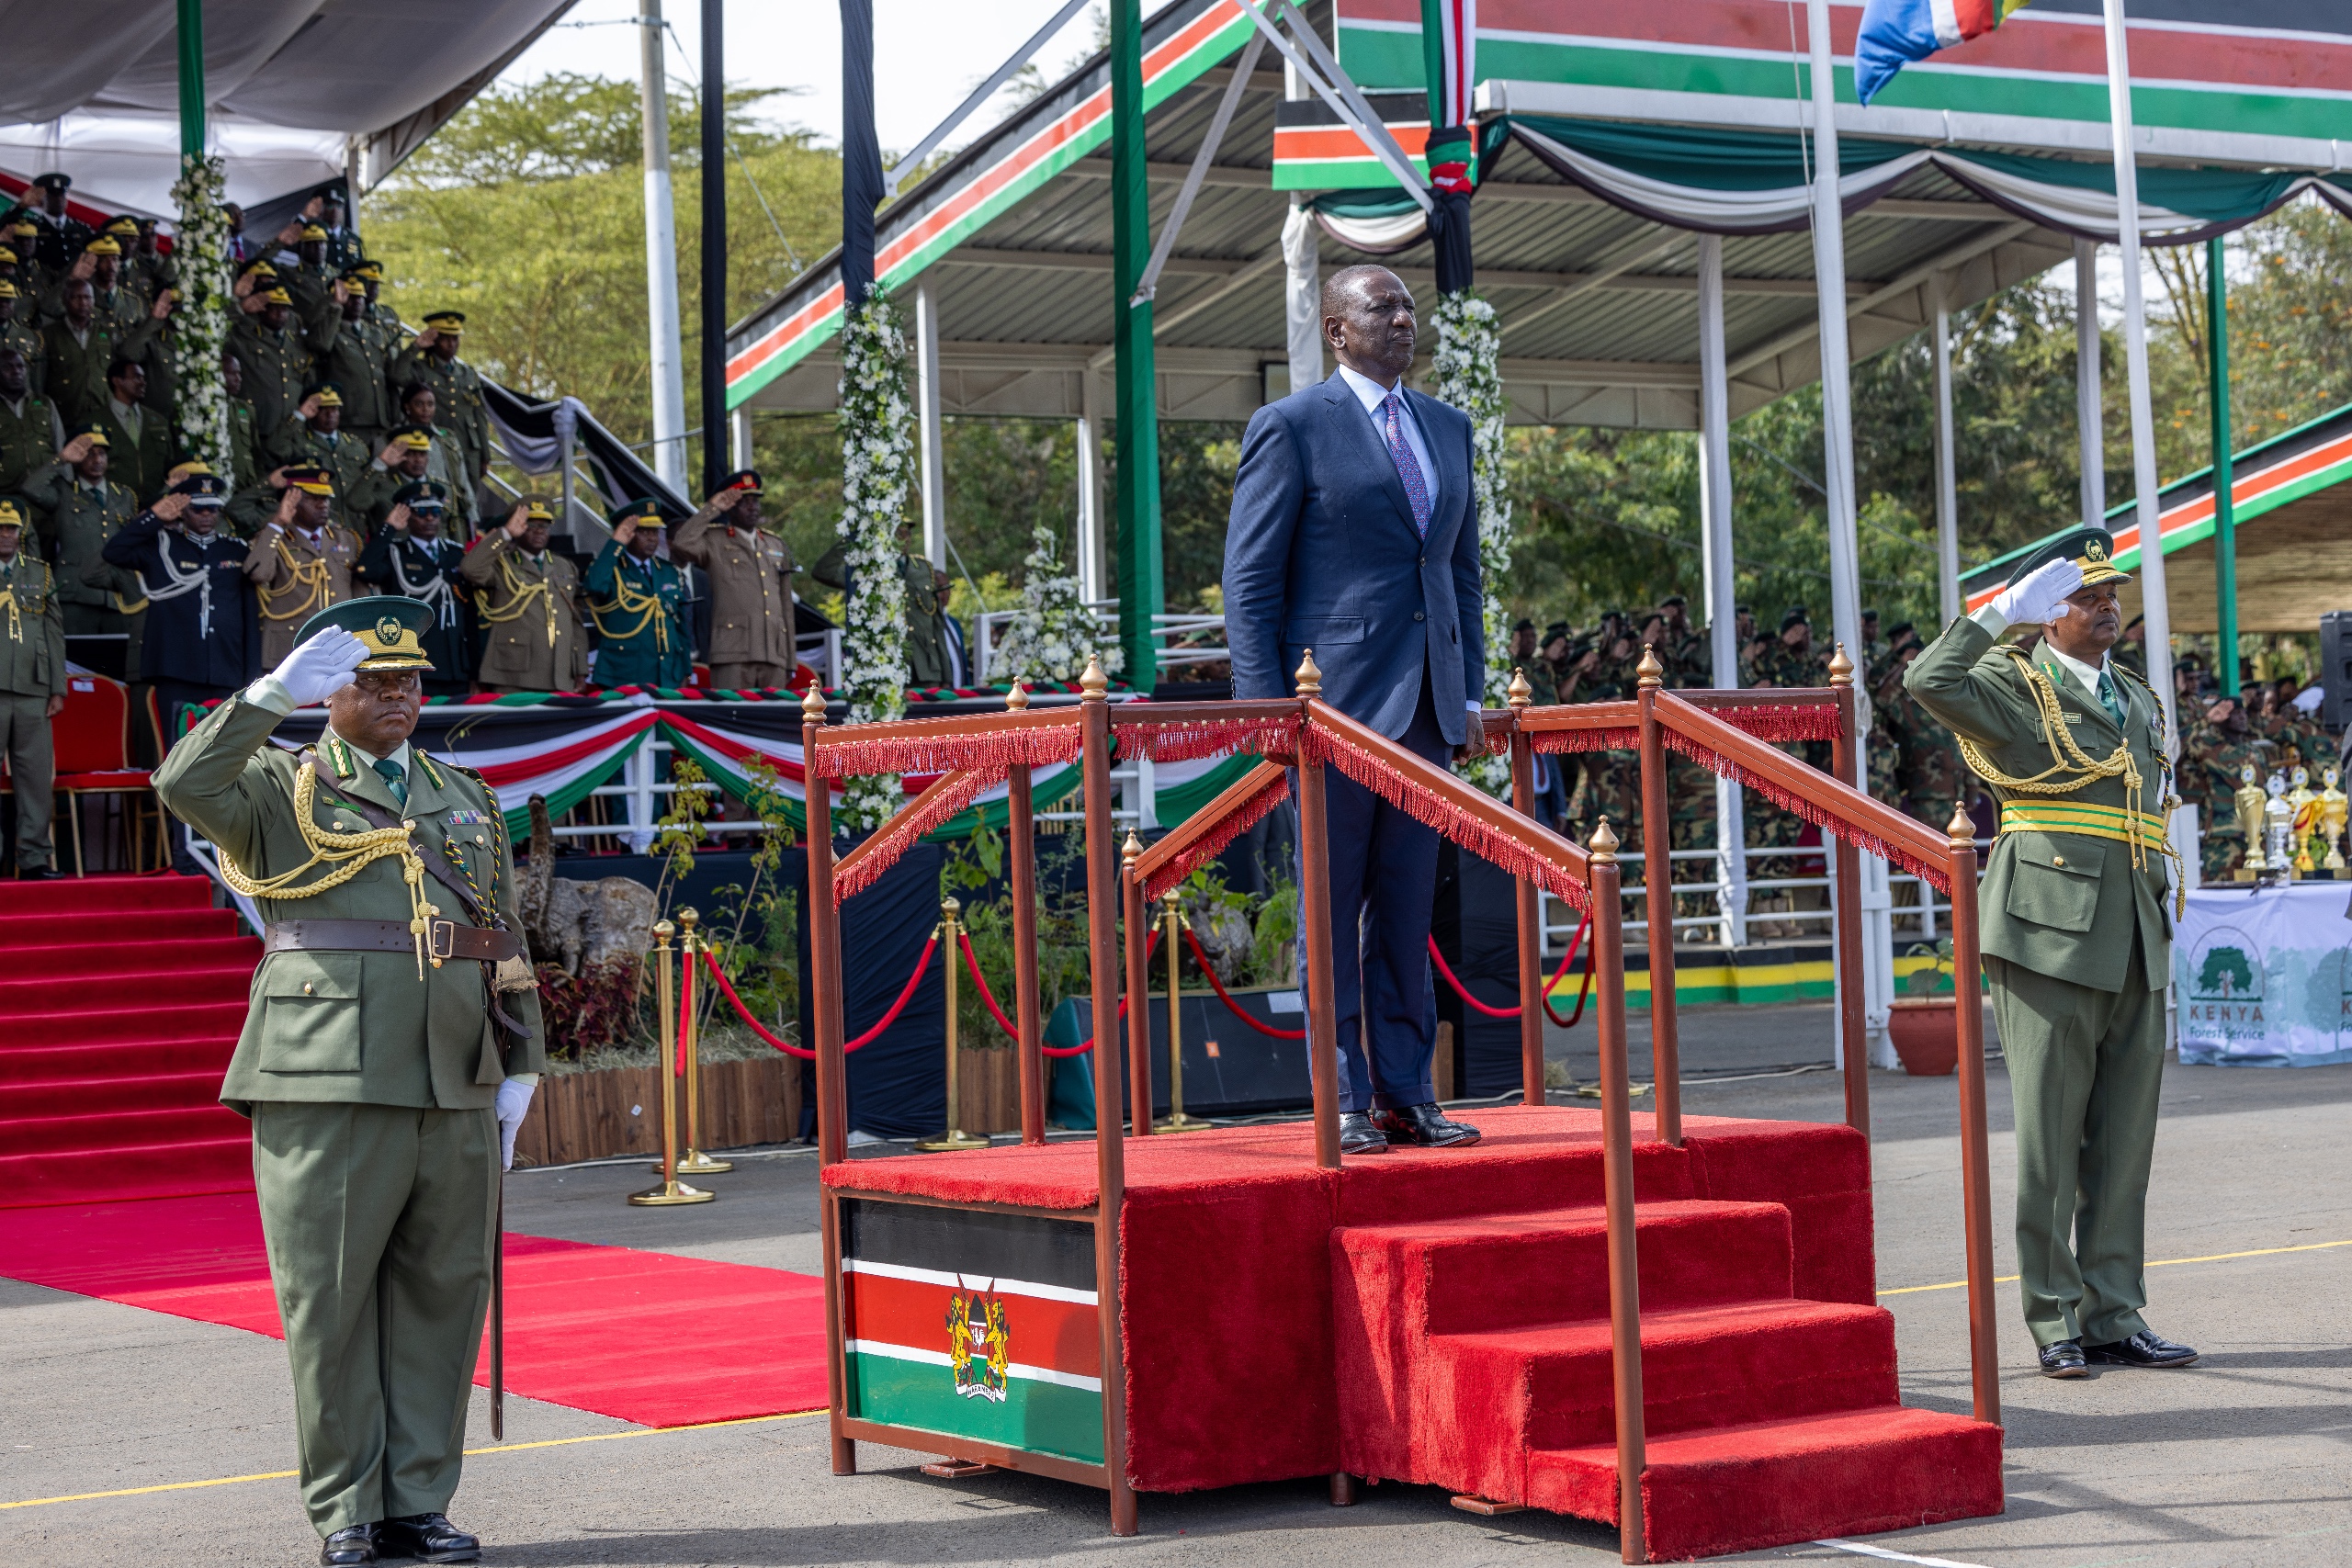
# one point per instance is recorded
(123, 996)
(1433, 1316)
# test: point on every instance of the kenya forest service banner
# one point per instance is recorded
(2264, 979)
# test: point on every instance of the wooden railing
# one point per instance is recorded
(1299, 739)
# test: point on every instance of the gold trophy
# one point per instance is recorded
(2250, 801)
(2333, 806)
(2302, 801)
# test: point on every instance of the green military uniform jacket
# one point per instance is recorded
(642, 639)
(357, 355)
(77, 365)
(354, 1027)
(750, 588)
(458, 401)
(2062, 904)
(138, 463)
(76, 520)
(32, 629)
(346, 457)
(277, 367)
(28, 440)
(518, 598)
(26, 340)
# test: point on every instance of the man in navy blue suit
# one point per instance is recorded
(1356, 534)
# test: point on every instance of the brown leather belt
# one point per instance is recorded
(444, 939)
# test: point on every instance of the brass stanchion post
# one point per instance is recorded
(955, 1137)
(693, 1162)
(1175, 1120)
(672, 1190)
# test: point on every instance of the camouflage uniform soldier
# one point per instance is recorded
(2213, 753)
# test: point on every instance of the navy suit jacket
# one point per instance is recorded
(1320, 553)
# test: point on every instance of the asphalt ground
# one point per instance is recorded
(2245, 1459)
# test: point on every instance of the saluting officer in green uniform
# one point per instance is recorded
(388, 1056)
(2077, 931)
(633, 598)
(32, 688)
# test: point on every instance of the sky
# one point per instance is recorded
(927, 54)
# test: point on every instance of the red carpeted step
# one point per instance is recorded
(112, 894)
(1552, 1387)
(138, 928)
(100, 1026)
(34, 1100)
(156, 1170)
(25, 1064)
(97, 1131)
(125, 995)
(139, 953)
(1775, 1482)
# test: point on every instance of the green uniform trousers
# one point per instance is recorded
(2085, 1066)
(379, 1220)
(24, 737)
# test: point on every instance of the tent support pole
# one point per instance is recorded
(716, 460)
(2225, 524)
(1722, 583)
(1948, 604)
(2090, 415)
(1135, 398)
(662, 254)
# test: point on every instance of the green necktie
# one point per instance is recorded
(2107, 699)
(395, 778)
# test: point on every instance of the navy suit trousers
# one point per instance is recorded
(1384, 882)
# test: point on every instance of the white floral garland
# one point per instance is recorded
(201, 328)
(1467, 365)
(878, 465)
(1054, 633)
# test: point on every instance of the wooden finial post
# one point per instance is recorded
(1134, 851)
(1841, 669)
(1520, 693)
(1310, 679)
(1649, 674)
(812, 705)
(1017, 699)
(1962, 829)
(1605, 843)
(1094, 685)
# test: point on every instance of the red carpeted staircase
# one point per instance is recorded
(1474, 1354)
(123, 996)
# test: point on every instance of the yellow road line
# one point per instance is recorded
(2159, 1263)
(502, 1448)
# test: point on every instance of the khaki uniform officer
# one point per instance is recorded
(301, 562)
(2077, 934)
(751, 587)
(32, 687)
(527, 598)
(390, 1049)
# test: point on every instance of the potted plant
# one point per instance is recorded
(1922, 1025)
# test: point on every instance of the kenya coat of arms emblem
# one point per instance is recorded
(978, 1350)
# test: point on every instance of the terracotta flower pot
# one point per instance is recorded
(1926, 1036)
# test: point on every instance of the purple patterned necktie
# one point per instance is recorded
(1416, 490)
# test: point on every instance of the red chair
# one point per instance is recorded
(92, 741)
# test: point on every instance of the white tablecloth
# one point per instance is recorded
(2264, 978)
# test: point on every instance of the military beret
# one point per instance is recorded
(1524, 625)
(422, 495)
(1798, 615)
(1673, 598)
(310, 479)
(54, 181)
(330, 396)
(448, 323)
(742, 478)
(390, 625)
(1557, 629)
(9, 517)
(103, 245)
(2089, 548)
(646, 514)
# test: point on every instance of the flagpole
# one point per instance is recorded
(2155, 605)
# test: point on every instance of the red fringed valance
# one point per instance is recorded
(988, 751)
(894, 838)
(1245, 816)
(1782, 721)
(1487, 842)
(1209, 737)
(1558, 741)
(1788, 800)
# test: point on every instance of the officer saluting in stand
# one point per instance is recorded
(633, 598)
(409, 556)
(388, 1059)
(2077, 937)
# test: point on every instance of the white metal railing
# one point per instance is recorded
(1169, 630)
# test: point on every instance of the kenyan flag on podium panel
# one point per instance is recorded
(973, 1324)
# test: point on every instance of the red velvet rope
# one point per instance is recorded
(711, 963)
(1234, 1008)
(972, 961)
(1557, 975)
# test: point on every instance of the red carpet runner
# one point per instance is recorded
(645, 1336)
(123, 996)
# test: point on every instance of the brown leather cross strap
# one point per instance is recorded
(444, 938)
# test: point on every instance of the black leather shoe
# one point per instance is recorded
(41, 873)
(1359, 1136)
(2063, 1360)
(428, 1538)
(2142, 1349)
(1425, 1125)
(353, 1546)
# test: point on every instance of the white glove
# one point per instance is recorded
(2040, 598)
(320, 667)
(514, 1104)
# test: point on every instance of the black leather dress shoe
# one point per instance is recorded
(428, 1538)
(2142, 1349)
(41, 873)
(353, 1546)
(1425, 1125)
(1359, 1136)
(2063, 1360)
